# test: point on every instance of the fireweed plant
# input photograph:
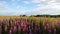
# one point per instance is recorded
(28, 26)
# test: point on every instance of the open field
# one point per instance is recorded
(29, 25)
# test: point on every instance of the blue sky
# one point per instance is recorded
(29, 7)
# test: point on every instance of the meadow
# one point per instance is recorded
(29, 25)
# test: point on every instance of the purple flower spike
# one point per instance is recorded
(10, 32)
(49, 31)
(45, 27)
(59, 24)
(54, 31)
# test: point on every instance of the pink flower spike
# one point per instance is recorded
(10, 32)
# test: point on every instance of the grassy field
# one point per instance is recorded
(29, 25)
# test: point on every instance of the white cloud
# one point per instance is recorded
(5, 9)
(52, 7)
(3, 5)
(26, 2)
(15, 0)
(17, 13)
(35, 1)
(38, 1)
(17, 7)
(43, 7)
(52, 1)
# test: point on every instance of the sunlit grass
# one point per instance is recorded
(43, 25)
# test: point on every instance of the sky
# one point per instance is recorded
(29, 7)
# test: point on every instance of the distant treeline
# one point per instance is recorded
(46, 15)
(43, 15)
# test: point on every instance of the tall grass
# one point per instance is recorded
(29, 25)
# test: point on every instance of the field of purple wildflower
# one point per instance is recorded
(30, 25)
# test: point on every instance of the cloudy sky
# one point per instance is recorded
(29, 7)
